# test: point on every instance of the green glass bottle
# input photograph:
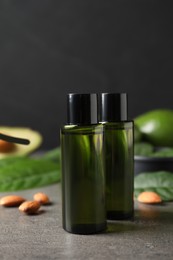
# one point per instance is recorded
(118, 154)
(83, 180)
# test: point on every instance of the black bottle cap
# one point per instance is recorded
(82, 109)
(113, 107)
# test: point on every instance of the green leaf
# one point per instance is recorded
(27, 173)
(164, 152)
(53, 155)
(143, 149)
(159, 182)
(10, 160)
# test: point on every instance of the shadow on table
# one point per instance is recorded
(145, 216)
(121, 227)
(158, 213)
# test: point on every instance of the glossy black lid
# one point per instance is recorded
(113, 107)
(82, 109)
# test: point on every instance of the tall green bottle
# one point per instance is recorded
(118, 154)
(83, 179)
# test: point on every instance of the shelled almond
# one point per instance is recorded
(149, 197)
(42, 198)
(11, 201)
(30, 207)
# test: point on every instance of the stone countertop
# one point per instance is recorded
(149, 236)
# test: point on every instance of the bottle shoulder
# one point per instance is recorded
(82, 128)
(119, 125)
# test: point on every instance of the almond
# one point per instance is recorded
(149, 197)
(29, 207)
(42, 198)
(11, 201)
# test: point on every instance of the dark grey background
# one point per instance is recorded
(49, 48)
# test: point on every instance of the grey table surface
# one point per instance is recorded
(148, 236)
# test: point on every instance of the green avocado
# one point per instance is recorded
(156, 127)
(23, 132)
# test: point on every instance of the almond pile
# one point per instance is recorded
(28, 207)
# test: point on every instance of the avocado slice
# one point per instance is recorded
(23, 132)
